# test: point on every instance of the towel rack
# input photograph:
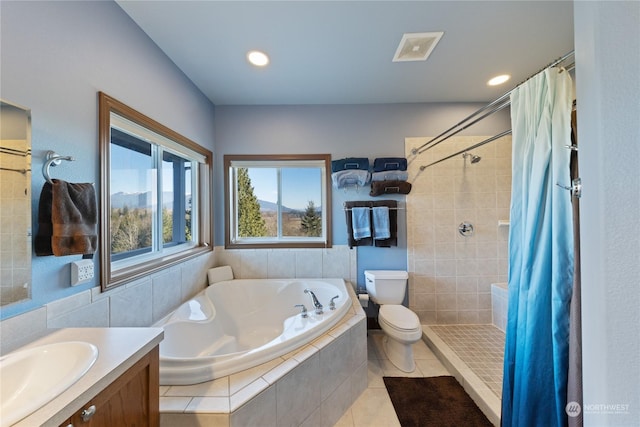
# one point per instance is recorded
(371, 207)
(53, 159)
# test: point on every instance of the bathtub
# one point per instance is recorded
(237, 324)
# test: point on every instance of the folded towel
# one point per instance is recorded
(389, 187)
(67, 218)
(361, 223)
(390, 176)
(350, 163)
(345, 178)
(389, 164)
(381, 228)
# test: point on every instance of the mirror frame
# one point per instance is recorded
(28, 194)
(204, 243)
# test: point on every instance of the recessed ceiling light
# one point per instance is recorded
(257, 58)
(498, 80)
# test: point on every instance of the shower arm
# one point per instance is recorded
(479, 144)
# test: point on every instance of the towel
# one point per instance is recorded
(390, 176)
(350, 163)
(389, 187)
(381, 223)
(361, 223)
(345, 178)
(389, 164)
(369, 241)
(67, 218)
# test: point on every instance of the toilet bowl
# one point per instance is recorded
(402, 329)
(401, 326)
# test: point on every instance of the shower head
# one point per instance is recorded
(474, 158)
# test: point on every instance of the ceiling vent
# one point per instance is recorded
(416, 46)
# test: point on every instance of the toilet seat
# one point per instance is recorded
(399, 318)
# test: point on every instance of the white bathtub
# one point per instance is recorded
(237, 324)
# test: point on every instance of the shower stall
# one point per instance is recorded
(451, 272)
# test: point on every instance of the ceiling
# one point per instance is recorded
(340, 52)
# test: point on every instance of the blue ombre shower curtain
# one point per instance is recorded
(540, 253)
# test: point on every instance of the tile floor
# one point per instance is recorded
(374, 408)
(481, 348)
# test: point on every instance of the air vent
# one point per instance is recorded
(416, 46)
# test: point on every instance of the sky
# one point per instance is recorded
(299, 186)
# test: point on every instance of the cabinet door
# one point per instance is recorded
(132, 400)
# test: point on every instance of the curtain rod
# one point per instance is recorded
(479, 144)
(432, 143)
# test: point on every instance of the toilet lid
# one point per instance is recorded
(399, 317)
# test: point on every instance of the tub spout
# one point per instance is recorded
(316, 303)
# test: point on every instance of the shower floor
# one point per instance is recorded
(474, 355)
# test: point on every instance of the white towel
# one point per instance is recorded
(381, 229)
(390, 176)
(360, 223)
(349, 177)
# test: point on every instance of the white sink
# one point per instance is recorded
(32, 377)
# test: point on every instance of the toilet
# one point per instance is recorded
(401, 326)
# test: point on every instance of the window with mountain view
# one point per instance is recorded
(156, 197)
(277, 201)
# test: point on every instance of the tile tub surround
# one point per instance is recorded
(499, 305)
(336, 262)
(314, 385)
(137, 304)
(473, 354)
(450, 276)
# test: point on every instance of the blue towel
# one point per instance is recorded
(361, 223)
(381, 229)
(390, 176)
(389, 164)
(345, 178)
(350, 163)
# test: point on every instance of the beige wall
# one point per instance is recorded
(450, 276)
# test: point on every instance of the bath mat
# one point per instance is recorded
(433, 401)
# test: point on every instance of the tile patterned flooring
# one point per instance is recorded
(374, 408)
(481, 348)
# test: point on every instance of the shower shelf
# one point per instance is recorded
(503, 223)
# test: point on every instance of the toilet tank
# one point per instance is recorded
(386, 286)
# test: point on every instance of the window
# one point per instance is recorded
(155, 195)
(277, 201)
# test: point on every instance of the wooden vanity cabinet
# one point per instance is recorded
(132, 400)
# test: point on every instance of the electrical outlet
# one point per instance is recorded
(81, 271)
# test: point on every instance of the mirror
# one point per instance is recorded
(15, 203)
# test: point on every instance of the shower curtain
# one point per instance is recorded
(540, 253)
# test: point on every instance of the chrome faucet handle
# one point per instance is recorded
(332, 304)
(303, 312)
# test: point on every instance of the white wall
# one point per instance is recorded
(607, 39)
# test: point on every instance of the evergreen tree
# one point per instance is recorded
(311, 224)
(250, 222)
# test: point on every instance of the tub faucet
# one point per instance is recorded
(316, 303)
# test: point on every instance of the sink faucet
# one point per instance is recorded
(316, 303)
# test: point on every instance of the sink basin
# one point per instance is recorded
(32, 377)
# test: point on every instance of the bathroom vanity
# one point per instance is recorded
(121, 388)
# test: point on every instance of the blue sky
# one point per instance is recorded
(299, 186)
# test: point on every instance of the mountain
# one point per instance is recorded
(273, 207)
(142, 200)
